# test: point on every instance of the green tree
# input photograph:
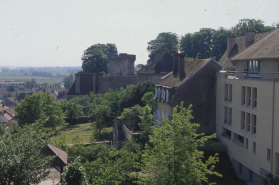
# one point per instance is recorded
(175, 158)
(257, 25)
(61, 142)
(74, 174)
(148, 99)
(132, 113)
(134, 93)
(21, 160)
(94, 58)
(186, 45)
(2, 130)
(164, 42)
(11, 88)
(68, 81)
(40, 106)
(73, 110)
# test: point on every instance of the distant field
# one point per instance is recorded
(39, 79)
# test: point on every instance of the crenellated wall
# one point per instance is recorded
(121, 65)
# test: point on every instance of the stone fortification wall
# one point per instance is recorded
(121, 65)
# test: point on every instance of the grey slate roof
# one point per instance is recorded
(239, 46)
(266, 48)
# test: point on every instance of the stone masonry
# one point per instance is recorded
(121, 65)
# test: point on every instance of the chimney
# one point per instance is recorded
(181, 64)
(231, 39)
(249, 37)
(199, 55)
(175, 63)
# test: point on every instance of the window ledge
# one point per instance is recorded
(229, 138)
(268, 160)
(255, 108)
(253, 135)
(254, 152)
(248, 132)
(243, 130)
(239, 143)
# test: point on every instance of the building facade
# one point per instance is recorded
(193, 83)
(159, 65)
(247, 104)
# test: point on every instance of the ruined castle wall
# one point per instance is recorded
(121, 65)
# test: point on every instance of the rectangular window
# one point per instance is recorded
(239, 139)
(156, 92)
(246, 144)
(254, 147)
(226, 115)
(230, 94)
(243, 94)
(254, 66)
(254, 124)
(268, 154)
(242, 120)
(227, 133)
(167, 96)
(248, 125)
(249, 96)
(226, 92)
(158, 115)
(163, 95)
(230, 114)
(255, 98)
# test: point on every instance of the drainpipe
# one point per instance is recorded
(272, 126)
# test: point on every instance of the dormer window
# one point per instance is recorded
(253, 66)
(163, 95)
(155, 92)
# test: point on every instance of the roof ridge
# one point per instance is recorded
(268, 33)
(57, 147)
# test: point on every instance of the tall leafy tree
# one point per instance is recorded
(164, 42)
(72, 110)
(39, 106)
(74, 174)
(94, 58)
(21, 160)
(257, 25)
(175, 158)
(186, 45)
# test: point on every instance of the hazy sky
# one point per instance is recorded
(56, 32)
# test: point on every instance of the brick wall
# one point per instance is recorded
(200, 92)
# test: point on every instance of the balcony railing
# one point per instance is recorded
(251, 74)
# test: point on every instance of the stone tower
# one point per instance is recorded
(121, 65)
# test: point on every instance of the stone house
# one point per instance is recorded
(158, 66)
(247, 107)
(236, 45)
(193, 83)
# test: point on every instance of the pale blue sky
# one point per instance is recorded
(56, 32)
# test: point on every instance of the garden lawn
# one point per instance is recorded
(84, 130)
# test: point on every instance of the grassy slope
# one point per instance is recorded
(84, 130)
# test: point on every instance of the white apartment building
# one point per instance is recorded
(247, 107)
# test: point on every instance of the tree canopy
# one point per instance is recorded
(94, 58)
(257, 25)
(39, 106)
(21, 160)
(175, 158)
(164, 42)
